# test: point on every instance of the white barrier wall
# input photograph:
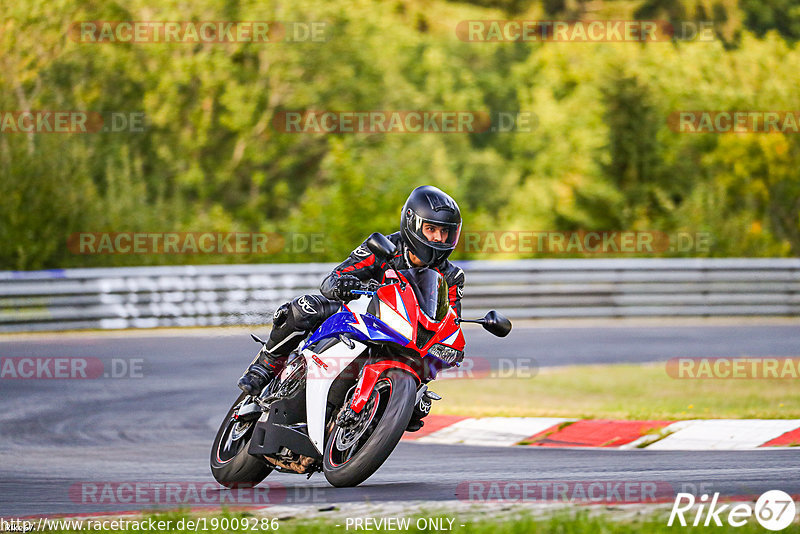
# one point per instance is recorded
(146, 297)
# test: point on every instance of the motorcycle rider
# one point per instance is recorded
(430, 224)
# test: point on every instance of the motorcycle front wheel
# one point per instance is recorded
(354, 453)
(230, 463)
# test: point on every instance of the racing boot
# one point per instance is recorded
(260, 373)
(268, 361)
(421, 410)
(414, 425)
(290, 323)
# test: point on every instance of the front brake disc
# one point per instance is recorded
(348, 436)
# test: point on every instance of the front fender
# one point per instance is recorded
(369, 377)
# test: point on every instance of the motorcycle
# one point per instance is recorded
(344, 398)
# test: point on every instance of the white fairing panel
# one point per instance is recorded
(319, 381)
(359, 305)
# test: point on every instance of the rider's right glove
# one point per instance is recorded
(344, 285)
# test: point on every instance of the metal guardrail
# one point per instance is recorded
(146, 297)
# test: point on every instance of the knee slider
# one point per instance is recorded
(280, 315)
(306, 311)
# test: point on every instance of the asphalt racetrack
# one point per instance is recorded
(156, 423)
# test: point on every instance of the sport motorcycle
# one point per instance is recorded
(343, 400)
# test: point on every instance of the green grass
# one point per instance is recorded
(580, 522)
(619, 392)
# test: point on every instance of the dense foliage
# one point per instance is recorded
(600, 157)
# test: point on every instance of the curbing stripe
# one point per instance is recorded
(646, 441)
(697, 434)
(597, 433)
(492, 431)
(433, 423)
(724, 434)
(789, 439)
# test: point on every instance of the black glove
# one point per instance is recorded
(344, 285)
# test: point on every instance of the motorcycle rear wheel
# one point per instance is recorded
(230, 463)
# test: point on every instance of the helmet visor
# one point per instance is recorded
(439, 235)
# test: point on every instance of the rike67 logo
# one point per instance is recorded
(774, 510)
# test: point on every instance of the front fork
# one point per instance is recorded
(367, 379)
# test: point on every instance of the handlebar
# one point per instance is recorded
(361, 292)
(372, 287)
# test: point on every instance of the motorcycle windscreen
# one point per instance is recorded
(431, 291)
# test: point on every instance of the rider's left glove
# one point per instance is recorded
(344, 286)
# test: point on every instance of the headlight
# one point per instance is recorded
(447, 354)
(395, 321)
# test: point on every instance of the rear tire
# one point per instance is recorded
(230, 463)
(393, 407)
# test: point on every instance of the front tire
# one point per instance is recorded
(230, 463)
(351, 459)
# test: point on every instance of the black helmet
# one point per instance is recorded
(427, 204)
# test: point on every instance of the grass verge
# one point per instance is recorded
(619, 391)
(580, 522)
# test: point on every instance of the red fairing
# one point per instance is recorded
(370, 377)
(407, 306)
(444, 330)
(404, 302)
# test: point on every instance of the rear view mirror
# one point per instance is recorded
(380, 245)
(496, 323)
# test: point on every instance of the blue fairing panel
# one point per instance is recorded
(345, 322)
(380, 331)
(338, 323)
